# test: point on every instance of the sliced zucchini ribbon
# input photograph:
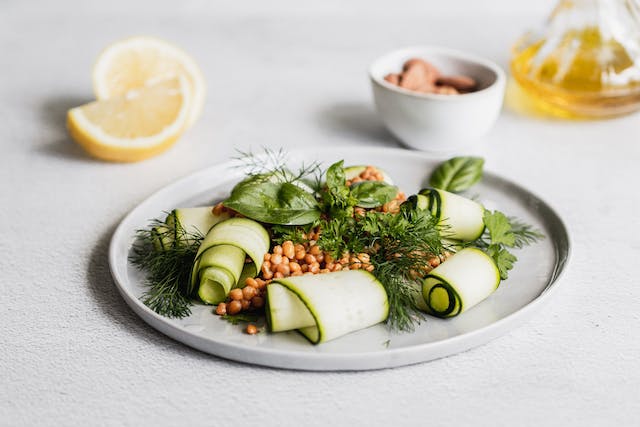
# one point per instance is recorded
(460, 217)
(461, 282)
(221, 262)
(326, 306)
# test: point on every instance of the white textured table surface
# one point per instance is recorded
(280, 74)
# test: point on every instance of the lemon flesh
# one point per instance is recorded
(135, 126)
(137, 62)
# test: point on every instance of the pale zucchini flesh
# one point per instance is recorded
(198, 220)
(285, 309)
(461, 218)
(459, 283)
(249, 270)
(225, 256)
(244, 233)
(187, 224)
(338, 303)
(215, 284)
(226, 246)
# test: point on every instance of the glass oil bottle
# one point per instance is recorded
(585, 62)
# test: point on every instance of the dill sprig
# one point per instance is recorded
(165, 253)
(294, 233)
(274, 163)
(399, 246)
(405, 243)
(401, 293)
(525, 234)
(257, 164)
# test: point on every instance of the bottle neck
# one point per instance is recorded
(612, 18)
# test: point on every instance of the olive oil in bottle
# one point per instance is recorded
(586, 62)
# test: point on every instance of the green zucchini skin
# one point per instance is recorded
(219, 270)
(417, 201)
(198, 220)
(461, 282)
(225, 247)
(326, 306)
(186, 224)
(286, 310)
(162, 238)
(215, 284)
(460, 217)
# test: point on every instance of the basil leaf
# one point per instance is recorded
(337, 199)
(371, 194)
(335, 175)
(273, 202)
(457, 174)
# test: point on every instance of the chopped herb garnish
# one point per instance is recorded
(501, 233)
(165, 252)
(235, 319)
(399, 247)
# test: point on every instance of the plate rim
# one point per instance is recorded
(365, 360)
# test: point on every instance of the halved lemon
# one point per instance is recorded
(137, 62)
(134, 126)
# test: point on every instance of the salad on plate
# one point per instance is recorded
(327, 252)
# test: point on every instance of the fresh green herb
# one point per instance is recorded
(337, 198)
(297, 234)
(524, 233)
(457, 174)
(274, 163)
(501, 233)
(258, 164)
(235, 319)
(167, 269)
(339, 236)
(402, 293)
(336, 178)
(503, 258)
(272, 193)
(406, 243)
(399, 247)
(371, 194)
(499, 228)
(260, 198)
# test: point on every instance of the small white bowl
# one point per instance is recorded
(438, 123)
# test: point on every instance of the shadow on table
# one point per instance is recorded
(53, 114)
(356, 120)
(108, 298)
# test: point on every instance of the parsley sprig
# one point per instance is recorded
(501, 234)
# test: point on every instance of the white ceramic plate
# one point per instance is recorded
(529, 285)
